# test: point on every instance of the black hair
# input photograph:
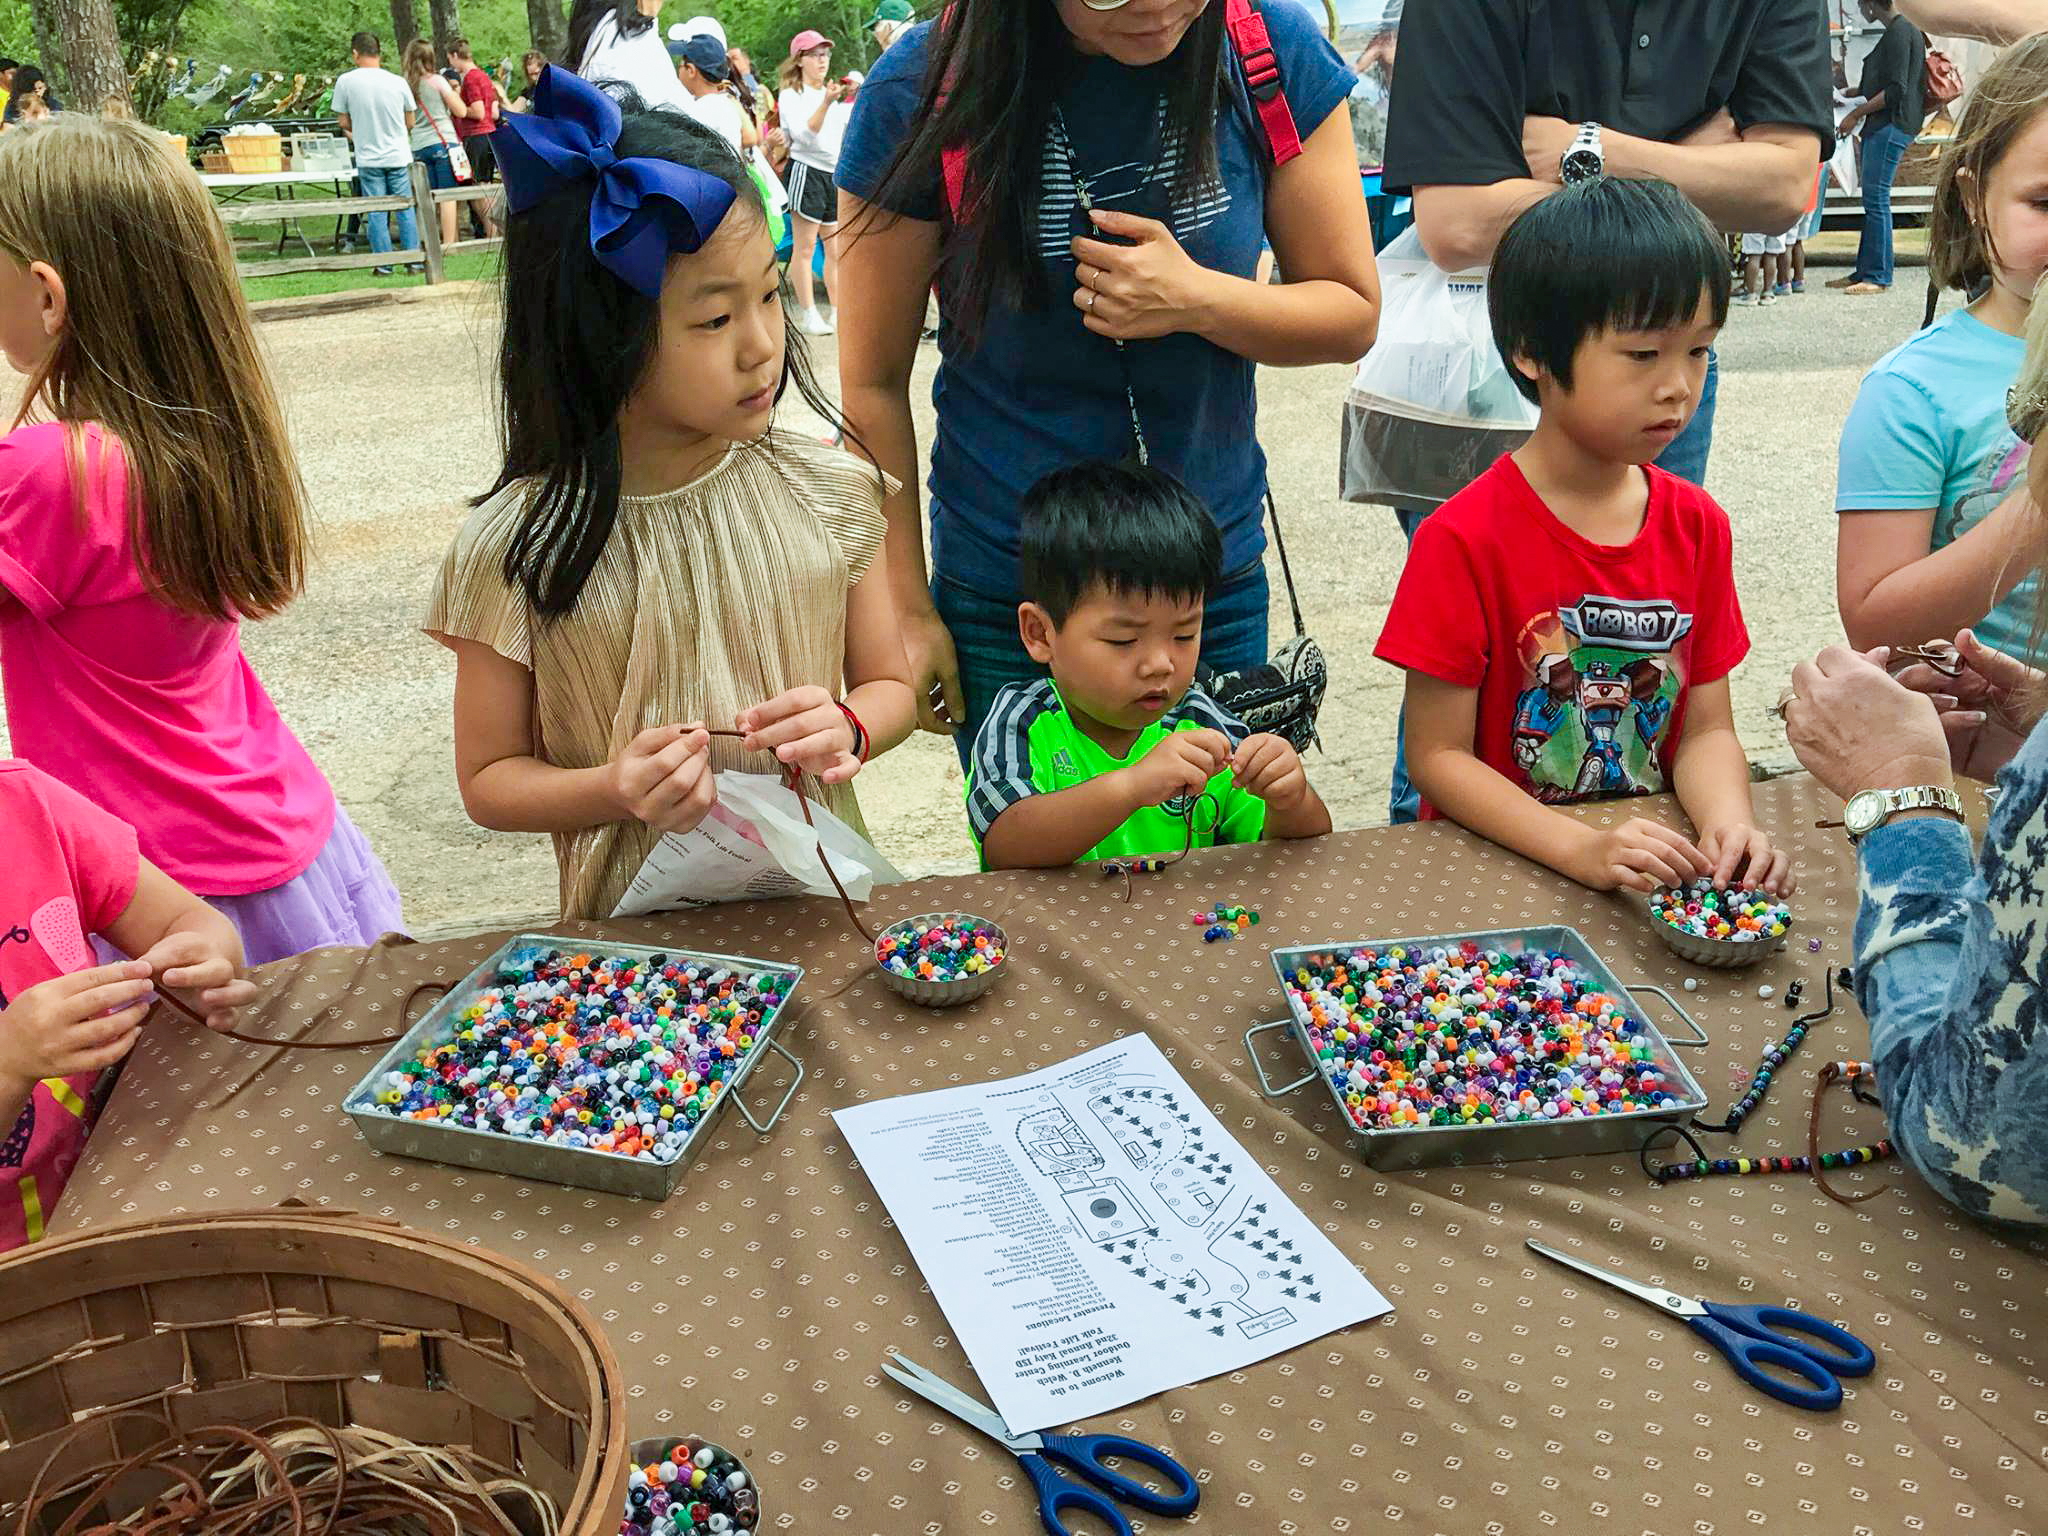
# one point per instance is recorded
(1124, 527)
(584, 16)
(577, 341)
(1610, 254)
(7, 63)
(1000, 68)
(365, 43)
(26, 78)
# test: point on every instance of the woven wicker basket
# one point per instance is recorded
(245, 1317)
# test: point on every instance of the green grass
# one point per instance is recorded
(258, 242)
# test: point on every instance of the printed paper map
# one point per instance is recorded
(1095, 1236)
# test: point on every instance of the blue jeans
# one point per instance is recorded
(1685, 456)
(1883, 148)
(440, 174)
(389, 181)
(990, 653)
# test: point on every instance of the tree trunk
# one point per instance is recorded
(447, 19)
(92, 53)
(49, 53)
(405, 27)
(549, 26)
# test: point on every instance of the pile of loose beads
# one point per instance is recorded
(951, 949)
(1743, 917)
(1461, 1035)
(1224, 922)
(695, 1486)
(621, 1055)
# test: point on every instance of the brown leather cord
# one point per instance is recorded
(792, 780)
(1829, 1073)
(1150, 865)
(178, 1005)
(288, 1477)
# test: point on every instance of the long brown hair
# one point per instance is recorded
(157, 348)
(2002, 105)
(419, 63)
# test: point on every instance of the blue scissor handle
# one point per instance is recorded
(1057, 1493)
(1756, 1336)
(1084, 1454)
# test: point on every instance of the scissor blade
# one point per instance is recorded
(934, 1389)
(1656, 1295)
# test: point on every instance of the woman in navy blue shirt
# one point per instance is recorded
(1144, 107)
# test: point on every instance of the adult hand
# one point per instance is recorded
(934, 670)
(664, 777)
(191, 962)
(805, 729)
(1544, 141)
(84, 1022)
(1719, 128)
(1134, 292)
(1986, 710)
(1854, 727)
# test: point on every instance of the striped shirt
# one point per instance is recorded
(707, 600)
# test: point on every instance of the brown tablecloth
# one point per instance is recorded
(1503, 1395)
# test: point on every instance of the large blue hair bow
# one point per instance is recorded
(641, 210)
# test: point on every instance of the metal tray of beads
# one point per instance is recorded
(1426, 1146)
(461, 1146)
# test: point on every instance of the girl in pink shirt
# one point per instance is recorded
(71, 872)
(152, 507)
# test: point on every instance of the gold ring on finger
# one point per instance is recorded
(1785, 701)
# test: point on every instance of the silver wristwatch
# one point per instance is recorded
(1584, 160)
(1872, 808)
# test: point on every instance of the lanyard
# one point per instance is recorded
(1123, 360)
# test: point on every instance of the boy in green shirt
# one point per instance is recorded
(1102, 759)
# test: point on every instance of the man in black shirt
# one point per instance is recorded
(1892, 88)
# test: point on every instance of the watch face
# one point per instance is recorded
(1863, 812)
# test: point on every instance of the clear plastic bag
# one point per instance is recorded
(1433, 403)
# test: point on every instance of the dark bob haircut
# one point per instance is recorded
(576, 342)
(1123, 527)
(1602, 255)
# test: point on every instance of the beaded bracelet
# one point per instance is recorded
(1813, 1160)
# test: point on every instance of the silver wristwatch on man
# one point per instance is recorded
(1585, 160)
(1872, 808)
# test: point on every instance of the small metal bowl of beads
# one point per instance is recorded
(942, 959)
(1725, 929)
(685, 1483)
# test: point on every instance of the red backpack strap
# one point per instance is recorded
(1254, 47)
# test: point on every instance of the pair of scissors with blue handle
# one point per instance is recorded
(1085, 1454)
(1753, 1337)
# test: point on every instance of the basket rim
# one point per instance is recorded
(80, 1261)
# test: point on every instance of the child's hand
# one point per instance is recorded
(1268, 766)
(664, 778)
(1638, 855)
(1180, 764)
(192, 962)
(1746, 851)
(55, 1028)
(807, 730)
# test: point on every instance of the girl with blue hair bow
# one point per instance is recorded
(656, 559)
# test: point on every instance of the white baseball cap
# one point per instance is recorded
(697, 26)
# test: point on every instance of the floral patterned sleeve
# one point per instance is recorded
(1952, 972)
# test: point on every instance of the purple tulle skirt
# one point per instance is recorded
(344, 897)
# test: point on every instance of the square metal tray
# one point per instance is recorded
(460, 1146)
(1426, 1146)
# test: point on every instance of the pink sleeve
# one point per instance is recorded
(46, 560)
(1436, 625)
(100, 853)
(1720, 638)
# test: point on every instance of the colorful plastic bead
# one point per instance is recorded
(950, 949)
(693, 1487)
(1735, 915)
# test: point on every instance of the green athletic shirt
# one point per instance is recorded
(1030, 745)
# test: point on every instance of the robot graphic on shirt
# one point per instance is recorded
(1602, 686)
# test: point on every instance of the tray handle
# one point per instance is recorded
(795, 1083)
(1265, 1084)
(1699, 1036)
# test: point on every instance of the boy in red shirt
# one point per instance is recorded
(71, 871)
(480, 95)
(1568, 621)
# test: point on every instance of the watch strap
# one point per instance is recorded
(1917, 797)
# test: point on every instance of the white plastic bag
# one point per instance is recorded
(754, 846)
(1433, 403)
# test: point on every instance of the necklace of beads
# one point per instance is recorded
(622, 1055)
(1459, 1035)
(1813, 1160)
